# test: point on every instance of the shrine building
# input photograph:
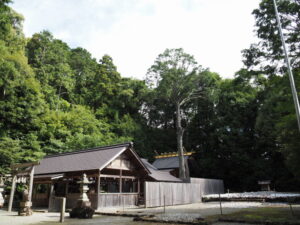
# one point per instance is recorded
(116, 172)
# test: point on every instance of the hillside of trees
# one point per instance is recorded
(56, 99)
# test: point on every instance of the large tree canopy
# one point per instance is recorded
(266, 58)
(176, 78)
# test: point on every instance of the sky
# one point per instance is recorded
(135, 32)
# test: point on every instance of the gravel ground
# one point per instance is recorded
(12, 218)
(186, 213)
(37, 218)
(190, 212)
(205, 209)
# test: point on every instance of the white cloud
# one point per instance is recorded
(134, 32)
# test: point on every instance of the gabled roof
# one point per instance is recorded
(168, 162)
(159, 175)
(89, 159)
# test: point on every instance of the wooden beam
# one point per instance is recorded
(30, 184)
(118, 176)
(172, 154)
(22, 165)
(43, 182)
(12, 192)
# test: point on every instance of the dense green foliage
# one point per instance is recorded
(56, 99)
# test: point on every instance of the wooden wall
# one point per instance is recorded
(40, 200)
(160, 193)
(117, 200)
(209, 186)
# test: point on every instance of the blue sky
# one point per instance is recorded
(134, 32)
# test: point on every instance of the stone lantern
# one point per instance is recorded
(83, 200)
(83, 207)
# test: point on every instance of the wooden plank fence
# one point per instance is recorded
(166, 193)
(117, 200)
(209, 186)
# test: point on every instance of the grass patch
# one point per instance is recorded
(265, 214)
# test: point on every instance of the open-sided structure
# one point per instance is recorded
(117, 174)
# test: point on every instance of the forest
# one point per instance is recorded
(56, 99)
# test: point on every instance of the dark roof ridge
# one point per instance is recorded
(127, 144)
(147, 164)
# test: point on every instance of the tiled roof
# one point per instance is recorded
(160, 175)
(167, 163)
(89, 159)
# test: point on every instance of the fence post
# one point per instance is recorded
(62, 210)
(220, 204)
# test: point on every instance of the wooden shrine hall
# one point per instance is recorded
(116, 174)
(169, 162)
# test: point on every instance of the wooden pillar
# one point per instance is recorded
(120, 186)
(12, 192)
(30, 183)
(50, 197)
(98, 183)
(98, 189)
(138, 187)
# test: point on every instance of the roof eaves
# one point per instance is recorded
(91, 150)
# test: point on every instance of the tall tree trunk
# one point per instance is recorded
(179, 131)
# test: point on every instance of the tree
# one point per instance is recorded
(276, 127)
(84, 68)
(265, 58)
(21, 100)
(267, 55)
(49, 58)
(11, 27)
(175, 75)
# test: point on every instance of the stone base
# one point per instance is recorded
(25, 209)
(82, 212)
